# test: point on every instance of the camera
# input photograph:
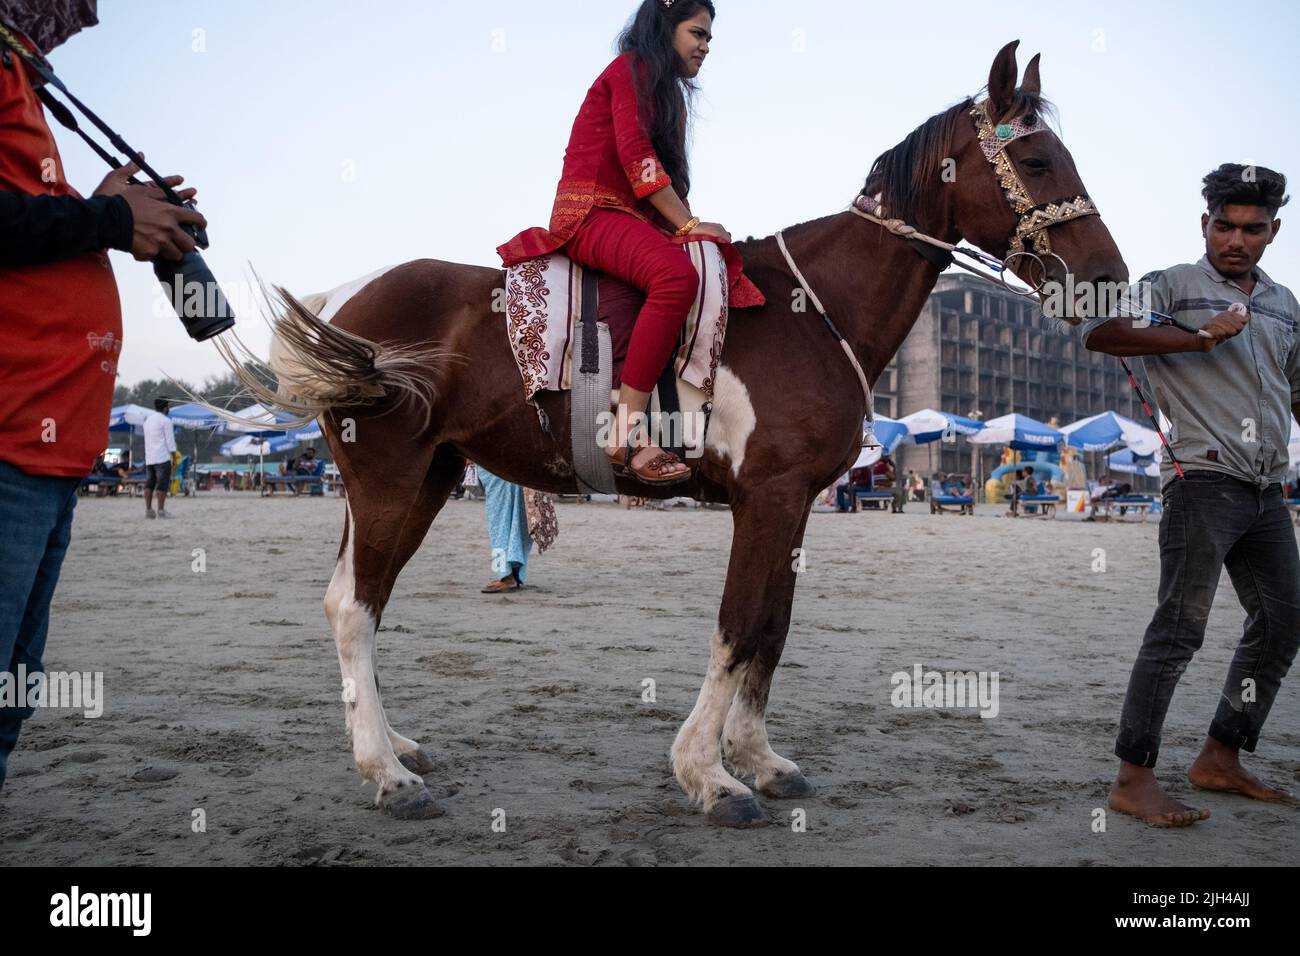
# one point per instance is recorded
(193, 290)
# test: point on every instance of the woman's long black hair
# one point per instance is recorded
(663, 91)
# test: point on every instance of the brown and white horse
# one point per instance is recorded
(414, 374)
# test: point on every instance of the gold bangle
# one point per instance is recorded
(688, 226)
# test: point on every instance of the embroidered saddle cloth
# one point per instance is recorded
(544, 307)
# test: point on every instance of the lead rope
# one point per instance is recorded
(868, 433)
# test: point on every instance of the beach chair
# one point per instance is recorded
(955, 504)
(134, 483)
(295, 482)
(101, 485)
(1043, 504)
(873, 500)
(1141, 504)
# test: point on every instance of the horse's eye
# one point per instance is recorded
(1035, 164)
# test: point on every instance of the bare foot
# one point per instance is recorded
(1220, 769)
(1138, 793)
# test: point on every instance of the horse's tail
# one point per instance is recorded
(315, 366)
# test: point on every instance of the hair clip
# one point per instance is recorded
(668, 4)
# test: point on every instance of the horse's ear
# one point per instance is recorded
(1032, 84)
(1002, 81)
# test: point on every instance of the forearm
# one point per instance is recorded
(35, 230)
(1120, 337)
(670, 206)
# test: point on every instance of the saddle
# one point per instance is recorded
(569, 329)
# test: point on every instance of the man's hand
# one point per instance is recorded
(1222, 327)
(158, 232)
(711, 229)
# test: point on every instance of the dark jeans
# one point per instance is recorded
(1212, 520)
(36, 518)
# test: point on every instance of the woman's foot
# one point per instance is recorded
(650, 465)
(506, 585)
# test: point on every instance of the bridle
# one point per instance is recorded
(1030, 239)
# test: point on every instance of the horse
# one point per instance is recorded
(414, 374)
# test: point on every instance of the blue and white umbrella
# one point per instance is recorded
(1108, 431)
(311, 432)
(254, 445)
(126, 418)
(890, 433)
(929, 425)
(194, 416)
(1128, 463)
(1019, 432)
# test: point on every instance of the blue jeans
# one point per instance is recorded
(35, 528)
(1211, 521)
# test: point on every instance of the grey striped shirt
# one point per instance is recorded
(1229, 409)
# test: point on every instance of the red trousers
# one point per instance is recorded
(637, 253)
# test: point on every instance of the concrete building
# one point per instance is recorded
(980, 351)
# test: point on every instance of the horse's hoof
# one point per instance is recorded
(737, 810)
(417, 762)
(412, 802)
(788, 786)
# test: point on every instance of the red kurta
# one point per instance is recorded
(611, 162)
(60, 323)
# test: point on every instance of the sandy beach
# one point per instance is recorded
(222, 696)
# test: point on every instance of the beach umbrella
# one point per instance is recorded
(258, 421)
(126, 418)
(1128, 463)
(193, 416)
(196, 418)
(929, 425)
(890, 432)
(255, 445)
(1108, 431)
(1019, 432)
(311, 432)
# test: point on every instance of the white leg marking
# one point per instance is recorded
(354, 636)
(745, 743)
(696, 753)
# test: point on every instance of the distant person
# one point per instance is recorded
(517, 518)
(306, 465)
(507, 523)
(159, 451)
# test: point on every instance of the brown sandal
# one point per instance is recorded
(649, 465)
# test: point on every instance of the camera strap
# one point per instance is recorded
(65, 117)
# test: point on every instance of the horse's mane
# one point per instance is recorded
(902, 176)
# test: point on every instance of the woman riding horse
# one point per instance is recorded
(613, 214)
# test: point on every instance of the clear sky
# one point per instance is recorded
(331, 138)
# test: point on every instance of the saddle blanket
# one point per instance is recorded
(544, 304)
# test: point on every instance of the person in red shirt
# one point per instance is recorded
(60, 338)
(614, 211)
